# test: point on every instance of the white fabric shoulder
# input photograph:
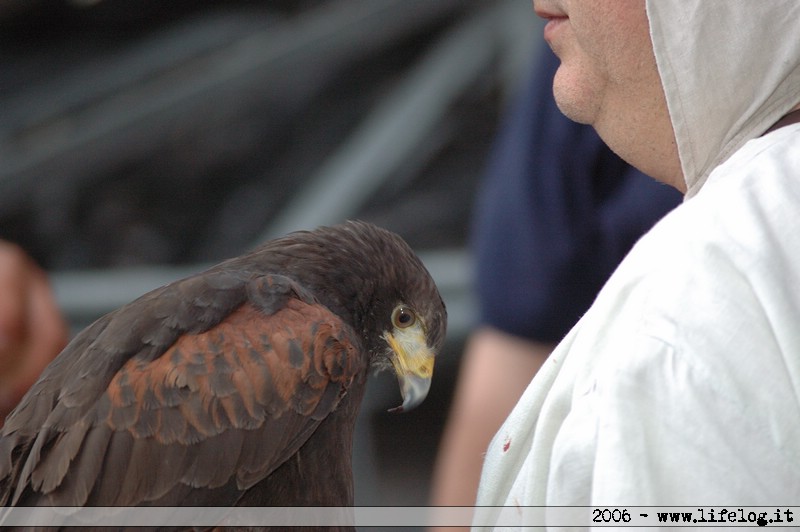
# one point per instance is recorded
(681, 385)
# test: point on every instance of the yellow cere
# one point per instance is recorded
(412, 355)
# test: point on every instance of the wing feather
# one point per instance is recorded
(56, 461)
(84, 468)
(107, 486)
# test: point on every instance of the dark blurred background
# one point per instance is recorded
(141, 140)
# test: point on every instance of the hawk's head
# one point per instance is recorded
(372, 279)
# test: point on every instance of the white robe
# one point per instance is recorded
(681, 384)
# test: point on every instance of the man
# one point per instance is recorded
(681, 384)
(556, 212)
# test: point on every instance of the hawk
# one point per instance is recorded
(239, 385)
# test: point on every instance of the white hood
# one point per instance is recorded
(730, 69)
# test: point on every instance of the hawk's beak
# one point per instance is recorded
(413, 362)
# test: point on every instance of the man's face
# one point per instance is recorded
(605, 51)
(608, 76)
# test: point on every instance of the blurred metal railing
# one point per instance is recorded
(70, 127)
(399, 125)
(497, 37)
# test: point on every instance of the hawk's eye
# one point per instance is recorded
(403, 317)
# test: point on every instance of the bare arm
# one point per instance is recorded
(496, 369)
(32, 330)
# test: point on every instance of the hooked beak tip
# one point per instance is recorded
(414, 389)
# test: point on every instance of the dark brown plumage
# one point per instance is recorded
(236, 386)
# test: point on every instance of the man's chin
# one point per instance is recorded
(575, 96)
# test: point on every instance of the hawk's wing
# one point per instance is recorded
(210, 381)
